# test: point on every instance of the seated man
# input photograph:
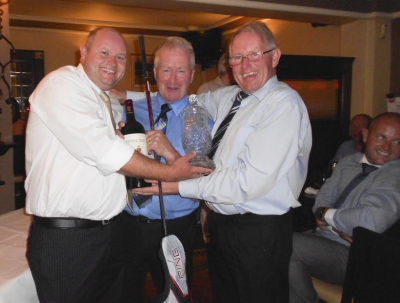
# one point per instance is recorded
(374, 204)
(355, 143)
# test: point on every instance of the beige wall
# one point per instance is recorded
(62, 47)
(371, 69)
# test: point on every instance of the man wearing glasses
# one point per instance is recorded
(261, 165)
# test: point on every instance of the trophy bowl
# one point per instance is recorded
(196, 133)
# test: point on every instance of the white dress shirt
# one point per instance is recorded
(72, 151)
(262, 160)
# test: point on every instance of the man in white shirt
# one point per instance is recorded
(75, 183)
(261, 165)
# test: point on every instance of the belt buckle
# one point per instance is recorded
(106, 222)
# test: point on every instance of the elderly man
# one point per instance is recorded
(343, 203)
(174, 66)
(261, 165)
(75, 185)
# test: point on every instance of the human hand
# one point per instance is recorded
(344, 236)
(183, 170)
(158, 142)
(168, 188)
(119, 134)
(120, 95)
(322, 224)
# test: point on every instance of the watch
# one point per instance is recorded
(319, 212)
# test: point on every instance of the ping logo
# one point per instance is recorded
(178, 262)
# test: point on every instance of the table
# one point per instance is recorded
(16, 282)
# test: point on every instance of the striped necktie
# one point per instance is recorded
(162, 119)
(225, 123)
(107, 101)
(353, 183)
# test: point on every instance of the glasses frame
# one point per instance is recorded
(247, 56)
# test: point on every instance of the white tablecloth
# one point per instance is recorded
(16, 282)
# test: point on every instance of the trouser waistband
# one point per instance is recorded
(70, 222)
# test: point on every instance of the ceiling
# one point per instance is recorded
(172, 17)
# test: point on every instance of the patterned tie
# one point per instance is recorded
(107, 101)
(353, 183)
(162, 119)
(225, 123)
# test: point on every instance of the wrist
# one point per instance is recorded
(320, 213)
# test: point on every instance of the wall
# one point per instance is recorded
(6, 161)
(371, 69)
(395, 57)
(61, 47)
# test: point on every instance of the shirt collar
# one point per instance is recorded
(269, 85)
(177, 106)
(81, 70)
(364, 160)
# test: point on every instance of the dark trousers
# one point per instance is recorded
(76, 264)
(142, 244)
(249, 257)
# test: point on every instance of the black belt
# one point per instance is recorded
(70, 222)
(145, 219)
(142, 219)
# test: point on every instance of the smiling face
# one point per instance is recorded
(104, 58)
(173, 73)
(383, 140)
(251, 76)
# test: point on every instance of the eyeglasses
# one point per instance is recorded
(236, 60)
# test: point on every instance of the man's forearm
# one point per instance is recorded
(143, 167)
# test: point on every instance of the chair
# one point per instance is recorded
(373, 269)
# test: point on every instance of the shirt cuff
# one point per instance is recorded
(329, 217)
(187, 189)
(117, 156)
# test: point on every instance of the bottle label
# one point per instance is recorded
(138, 142)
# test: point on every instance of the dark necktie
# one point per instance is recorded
(353, 183)
(225, 123)
(162, 119)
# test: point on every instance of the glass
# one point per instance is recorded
(196, 133)
(256, 56)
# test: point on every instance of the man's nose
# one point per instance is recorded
(386, 145)
(112, 60)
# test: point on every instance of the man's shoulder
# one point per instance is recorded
(350, 159)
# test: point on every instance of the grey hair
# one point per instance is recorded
(176, 42)
(257, 27)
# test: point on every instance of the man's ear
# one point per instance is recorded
(83, 50)
(276, 56)
(191, 78)
(365, 134)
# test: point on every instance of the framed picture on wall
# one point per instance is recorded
(138, 81)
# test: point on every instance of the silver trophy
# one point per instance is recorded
(196, 133)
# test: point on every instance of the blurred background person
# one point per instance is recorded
(224, 78)
(355, 143)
